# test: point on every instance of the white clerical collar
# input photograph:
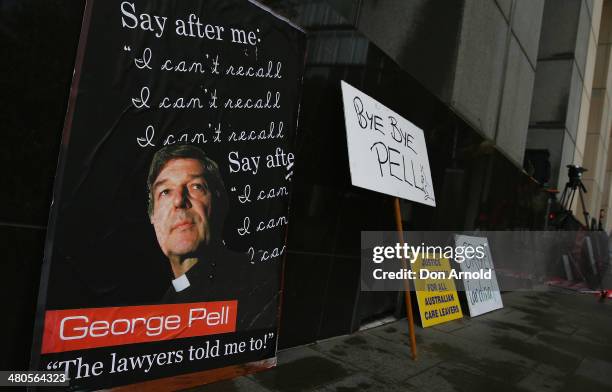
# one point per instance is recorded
(181, 283)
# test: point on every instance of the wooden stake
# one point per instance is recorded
(400, 233)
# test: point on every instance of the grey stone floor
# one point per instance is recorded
(540, 341)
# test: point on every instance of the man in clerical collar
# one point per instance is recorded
(188, 204)
(187, 207)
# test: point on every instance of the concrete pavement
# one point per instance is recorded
(549, 340)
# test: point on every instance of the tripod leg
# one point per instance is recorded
(571, 200)
(584, 211)
(563, 195)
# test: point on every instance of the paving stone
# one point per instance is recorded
(478, 358)
(302, 369)
(596, 370)
(365, 383)
(236, 385)
(460, 378)
(452, 325)
(543, 379)
(575, 346)
(488, 331)
(431, 379)
(387, 360)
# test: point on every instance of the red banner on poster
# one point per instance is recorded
(75, 329)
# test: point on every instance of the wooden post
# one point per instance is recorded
(400, 233)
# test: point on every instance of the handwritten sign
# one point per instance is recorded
(482, 294)
(171, 202)
(436, 292)
(387, 153)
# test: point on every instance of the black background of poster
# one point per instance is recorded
(101, 248)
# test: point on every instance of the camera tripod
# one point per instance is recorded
(574, 185)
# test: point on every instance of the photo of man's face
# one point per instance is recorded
(181, 207)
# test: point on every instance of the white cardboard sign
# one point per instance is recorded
(387, 153)
(482, 294)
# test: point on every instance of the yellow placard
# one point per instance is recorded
(436, 292)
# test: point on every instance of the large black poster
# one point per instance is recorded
(167, 230)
